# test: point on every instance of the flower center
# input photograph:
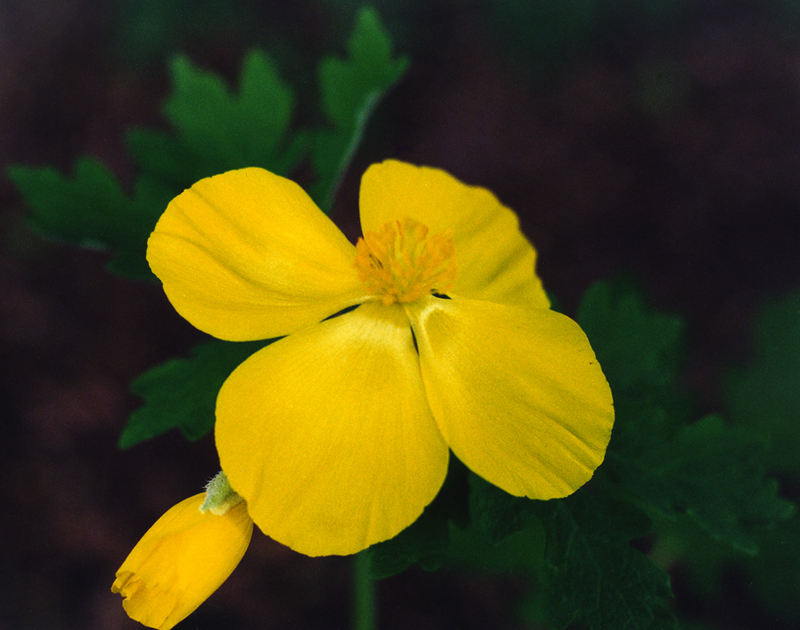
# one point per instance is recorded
(401, 263)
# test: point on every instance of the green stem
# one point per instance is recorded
(364, 609)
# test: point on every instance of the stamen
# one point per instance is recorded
(401, 263)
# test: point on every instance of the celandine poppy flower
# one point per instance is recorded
(337, 435)
(183, 558)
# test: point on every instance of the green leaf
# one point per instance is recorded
(712, 473)
(640, 350)
(775, 572)
(421, 543)
(496, 513)
(504, 533)
(369, 67)
(91, 209)
(426, 540)
(520, 553)
(593, 574)
(765, 395)
(217, 131)
(246, 128)
(182, 393)
(350, 90)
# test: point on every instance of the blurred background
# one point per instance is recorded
(659, 139)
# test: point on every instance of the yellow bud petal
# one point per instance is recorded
(181, 560)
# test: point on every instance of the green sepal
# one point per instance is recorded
(182, 393)
(220, 496)
(350, 89)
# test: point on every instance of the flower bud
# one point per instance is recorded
(181, 560)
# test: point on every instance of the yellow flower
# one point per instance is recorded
(180, 561)
(337, 435)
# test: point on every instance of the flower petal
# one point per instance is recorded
(518, 393)
(247, 255)
(181, 560)
(327, 435)
(495, 260)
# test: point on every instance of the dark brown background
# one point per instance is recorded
(697, 197)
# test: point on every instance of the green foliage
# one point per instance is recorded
(425, 542)
(593, 574)
(775, 572)
(182, 393)
(520, 553)
(350, 90)
(91, 209)
(765, 395)
(421, 543)
(711, 472)
(213, 130)
(496, 513)
(661, 464)
(702, 480)
(578, 549)
(217, 131)
(641, 351)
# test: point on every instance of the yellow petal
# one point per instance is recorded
(495, 260)
(518, 393)
(181, 560)
(247, 255)
(327, 435)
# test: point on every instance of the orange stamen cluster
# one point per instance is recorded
(400, 263)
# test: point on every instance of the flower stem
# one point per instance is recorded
(364, 609)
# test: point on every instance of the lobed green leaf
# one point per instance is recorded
(710, 472)
(350, 89)
(182, 393)
(425, 541)
(496, 513)
(593, 574)
(765, 395)
(91, 209)
(714, 474)
(216, 130)
(640, 350)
